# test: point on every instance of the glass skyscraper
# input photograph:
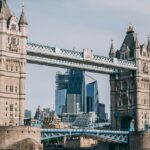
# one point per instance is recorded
(75, 92)
(61, 92)
(92, 96)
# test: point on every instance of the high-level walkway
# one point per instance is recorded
(86, 60)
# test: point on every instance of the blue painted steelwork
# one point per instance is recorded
(104, 135)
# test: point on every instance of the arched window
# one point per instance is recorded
(6, 67)
(16, 68)
(6, 88)
(124, 85)
(11, 88)
(124, 100)
(16, 89)
(18, 41)
(11, 68)
(13, 41)
(11, 107)
(13, 27)
(8, 39)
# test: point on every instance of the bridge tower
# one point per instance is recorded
(130, 90)
(13, 39)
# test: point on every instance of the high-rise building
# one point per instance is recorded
(76, 92)
(73, 105)
(101, 115)
(92, 97)
(61, 92)
(27, 113)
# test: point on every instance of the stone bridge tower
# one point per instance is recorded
(130, 90)
(13, 39)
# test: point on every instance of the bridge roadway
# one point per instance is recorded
(86, 60)
(103, 135)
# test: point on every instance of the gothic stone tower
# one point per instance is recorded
(130, 90)
(13, 39)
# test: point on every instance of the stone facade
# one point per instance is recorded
(139, 141)
(14, 137)
(13, 39)
(26, 144)
(79, 142)
(111, 146)
(130, 90)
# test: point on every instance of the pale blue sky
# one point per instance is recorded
(80, 24)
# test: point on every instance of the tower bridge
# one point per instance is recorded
(128, 67)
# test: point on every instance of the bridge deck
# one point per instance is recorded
(104, 135)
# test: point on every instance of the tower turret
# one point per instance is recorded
(130, 42)
(23, 19)
(148, 45)
(4, 10)
(23, 23)
(137, 47)
(137, 43)
(112, 52)
(5, 15)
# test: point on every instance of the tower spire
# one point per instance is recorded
(130, 29)
(148, 44)
(137, 44)
(4, 10)
(23, 19)
(112, 52)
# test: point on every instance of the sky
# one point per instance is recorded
(77, 24)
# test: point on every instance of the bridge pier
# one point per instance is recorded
(85, 142)
(79, 142)
(111, 146)
(20, 138)
(139, 140)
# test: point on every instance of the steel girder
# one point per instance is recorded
(104, 135)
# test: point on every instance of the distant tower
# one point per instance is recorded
(130, 90)
(13, 41)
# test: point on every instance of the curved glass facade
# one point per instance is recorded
(76, 92)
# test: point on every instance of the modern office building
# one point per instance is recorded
(27, 113)
(101, 115)
(85, 119)
(92, 96)
(70, 91)
(61, 92)
(75, 92)
(79, 119)
(73, 103)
